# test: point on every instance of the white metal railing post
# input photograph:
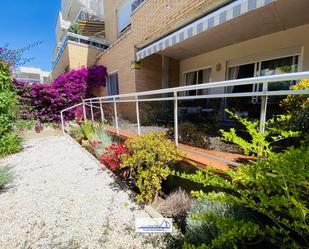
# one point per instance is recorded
(263, 108)
(102, 112)
(137, 116)
(84, 111)
(176, 118)
(116, 118)
(62, 122)
(91, 109)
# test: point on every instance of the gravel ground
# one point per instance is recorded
(60, 199)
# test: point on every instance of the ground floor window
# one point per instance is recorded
(197, 77)
(112, 84)
(249, 106)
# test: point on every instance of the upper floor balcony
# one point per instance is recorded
(72, 10)
(135, 4)
(61, 27)
(88, 14)
(81, 40)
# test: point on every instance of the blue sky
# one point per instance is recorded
(27, 21)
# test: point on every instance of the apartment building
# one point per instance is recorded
(80, 35)
(167, 43)
(32, 75)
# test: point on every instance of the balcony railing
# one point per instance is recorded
(82, 40)
(88, 15)
(136, 4)
(177, 95)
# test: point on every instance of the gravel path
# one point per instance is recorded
(60, 199)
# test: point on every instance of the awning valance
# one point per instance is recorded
(220, 16)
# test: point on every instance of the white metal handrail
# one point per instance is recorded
(240, 82)
(134, 97)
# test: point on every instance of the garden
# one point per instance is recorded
(260, 204)
(263, 203)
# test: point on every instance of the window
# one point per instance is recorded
(263, 68)
(250, 106)
(197, 77)
(112, 84)
(124, 16)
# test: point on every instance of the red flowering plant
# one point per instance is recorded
(113, 156)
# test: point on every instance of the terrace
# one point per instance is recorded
(99, 110)
(57, 173)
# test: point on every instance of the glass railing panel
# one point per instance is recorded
(136, 4)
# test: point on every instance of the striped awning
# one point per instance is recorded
(220, 16)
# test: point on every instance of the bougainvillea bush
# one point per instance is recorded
(44, 102)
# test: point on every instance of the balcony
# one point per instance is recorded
(61, 26)
(72, 9)
(79, 40)
(136, 4)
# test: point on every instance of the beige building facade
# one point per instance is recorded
(80, 35)
(180, 43)
(154, 44)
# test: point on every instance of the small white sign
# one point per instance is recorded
(154, 225)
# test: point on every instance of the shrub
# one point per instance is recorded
(9, 140)
(44, 102)
(275, 190)
(296, 102)
(176, 204)
(88, 131)
(10, 143)
(103, 140)
(209, 222)
(260, 143)
(6, 176)
(189, 134)
(297, 107)
(148, 161)
(76, 132)
(25, 100)
(74, 28)
(114, 155)
(23, 124)
(154, 114)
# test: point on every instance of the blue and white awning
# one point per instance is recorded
(220, 16)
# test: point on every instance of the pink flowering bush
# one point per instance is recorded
(44, 102)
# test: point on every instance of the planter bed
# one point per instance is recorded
(193, 154)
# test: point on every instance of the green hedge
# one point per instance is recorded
(9, 139)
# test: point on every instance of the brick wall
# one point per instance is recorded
(75, 56)
(157, 18)
(110, 16)
(151, 21)
(118, 58)
(82, 55)
(150, 75)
